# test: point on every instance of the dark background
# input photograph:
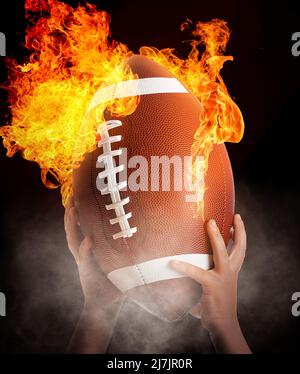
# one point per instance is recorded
(39, 276)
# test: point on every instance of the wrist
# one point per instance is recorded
(227, 337)
(101, 310)
(222, 326)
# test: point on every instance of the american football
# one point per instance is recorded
(137, 232)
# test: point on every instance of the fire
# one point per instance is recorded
(221, 119)
(71, 57)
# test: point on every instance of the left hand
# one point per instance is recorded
(99, 292)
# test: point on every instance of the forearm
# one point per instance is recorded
(94, 330)
(228, 338)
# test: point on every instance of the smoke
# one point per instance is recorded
(45, 297)
(269, 277)
(141, 332)
(270, 274)
(48, 298)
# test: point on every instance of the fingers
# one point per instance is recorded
(220, 255)
(237, 255)
(70, 202)
(73, 233)
(192, 271)
(85, 257)
(87, 264)
(69, 205)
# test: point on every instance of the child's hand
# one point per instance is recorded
(102, 300)
(98, 291)
(218, 306)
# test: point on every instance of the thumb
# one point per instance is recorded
(85, 256)
(196, 311)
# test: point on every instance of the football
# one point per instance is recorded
(139, 224)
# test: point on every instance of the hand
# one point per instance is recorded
(218, 305)
(99, 292)
(102, 300)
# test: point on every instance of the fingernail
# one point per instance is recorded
(213, 223)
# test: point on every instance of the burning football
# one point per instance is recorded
(134, 204)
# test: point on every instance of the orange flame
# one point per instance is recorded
(221, 119)
(71, 57)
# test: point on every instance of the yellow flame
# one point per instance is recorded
(71, 57)
(221, 119)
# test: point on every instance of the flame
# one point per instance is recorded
(220, 120)
(71, 57)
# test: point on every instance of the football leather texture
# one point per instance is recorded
(163, 124)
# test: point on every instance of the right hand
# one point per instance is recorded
(218, 305)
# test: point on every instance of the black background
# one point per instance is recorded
(264, 80)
